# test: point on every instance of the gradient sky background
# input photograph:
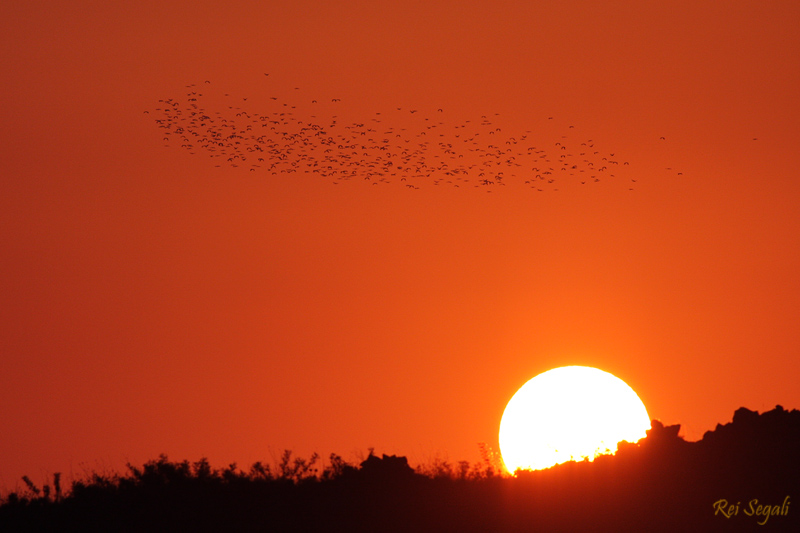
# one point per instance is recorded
(154, 303)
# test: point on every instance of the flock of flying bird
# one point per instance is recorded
(402, 146)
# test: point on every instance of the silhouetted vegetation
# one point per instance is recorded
(661, 483)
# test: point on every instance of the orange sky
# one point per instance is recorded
(155, 303)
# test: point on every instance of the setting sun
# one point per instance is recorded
(569, 413)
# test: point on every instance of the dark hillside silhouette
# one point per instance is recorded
(742, 476)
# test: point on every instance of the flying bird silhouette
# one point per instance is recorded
(421, 148)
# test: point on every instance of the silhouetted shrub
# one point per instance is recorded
(661, 483)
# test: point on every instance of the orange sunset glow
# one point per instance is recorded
(233, 229)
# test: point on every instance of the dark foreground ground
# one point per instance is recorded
(743, 476)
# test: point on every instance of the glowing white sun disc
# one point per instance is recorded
(569, 413)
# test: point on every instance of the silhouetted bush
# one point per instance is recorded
(661, 483)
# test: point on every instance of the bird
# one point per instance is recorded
(342, 148)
